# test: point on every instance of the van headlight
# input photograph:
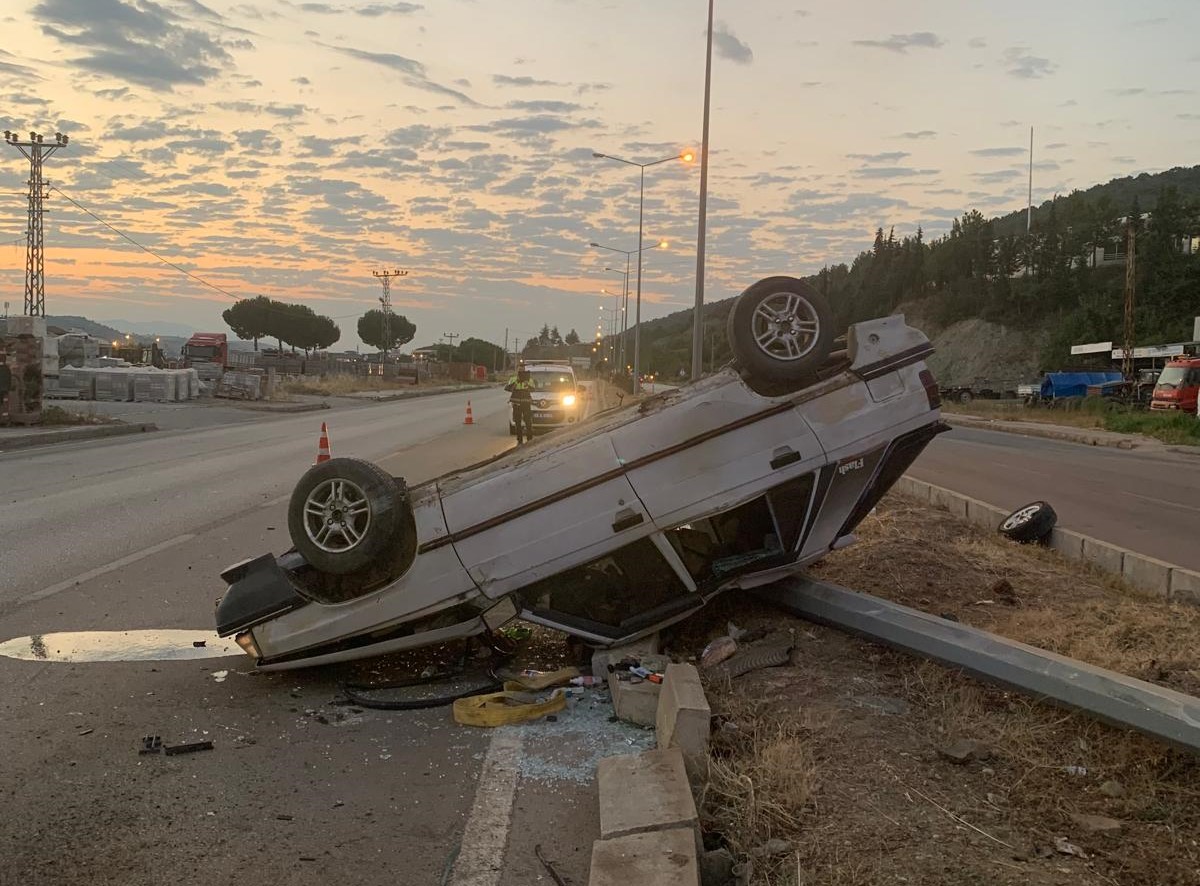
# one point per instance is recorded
(568, 400)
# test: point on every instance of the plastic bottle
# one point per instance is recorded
(586, 681)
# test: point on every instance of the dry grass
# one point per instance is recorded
(863, 796)
(1011, 410)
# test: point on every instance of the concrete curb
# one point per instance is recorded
(649, 825)
(97, 432)
(1172, 582)
(284, 409)
(1050, 432)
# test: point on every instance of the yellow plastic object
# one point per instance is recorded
(506, 708)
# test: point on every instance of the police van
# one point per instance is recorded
(557, 395)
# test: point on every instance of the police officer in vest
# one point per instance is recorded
(521, 389)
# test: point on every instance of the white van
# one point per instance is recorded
(557, 395)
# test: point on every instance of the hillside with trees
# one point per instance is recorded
(1046, 285)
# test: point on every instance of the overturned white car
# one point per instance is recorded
(614, 528)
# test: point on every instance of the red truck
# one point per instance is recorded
(207, 347)
(1178, 386)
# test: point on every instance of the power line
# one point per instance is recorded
(145, 249)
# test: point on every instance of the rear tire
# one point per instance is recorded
(1028, 524)
(345, 515)
(780, 330)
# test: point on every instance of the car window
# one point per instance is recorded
(552, 381)
(728, 543)
(612, 591)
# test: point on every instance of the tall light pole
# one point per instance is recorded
(698, 310)
(686, 157)
(637, 341)
(622, 305)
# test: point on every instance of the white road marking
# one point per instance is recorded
(108, 567)
(480, 859)
(1162, 501)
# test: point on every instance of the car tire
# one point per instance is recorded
(1028, 524)
(965, 397)
(344, 515)
(801, 322)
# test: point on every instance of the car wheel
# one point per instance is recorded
(1031, 523)
(965, 397)
(344, 514)
(780, 330)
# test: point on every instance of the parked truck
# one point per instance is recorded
(207, 353)
(1178, 386)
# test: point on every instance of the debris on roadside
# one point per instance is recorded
(219, 676)
(1096, 824)
(189, 748)
(717, 651)
(1113, 789)
(1066, 847)
(965, 750)
(507, 708)
(151, 744)
(772, 651)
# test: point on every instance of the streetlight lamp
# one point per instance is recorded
(637, 339)
(622, 305)
(686, 157)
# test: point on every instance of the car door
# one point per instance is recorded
(708, 453)
(516, 524)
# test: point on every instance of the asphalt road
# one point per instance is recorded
(132, 534)
(1146, 502)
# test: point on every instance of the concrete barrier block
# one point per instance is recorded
(637, 649)
(1067, 543)
(664, 858)
(913, 488)
(1185, 586)
(984, 515)
(1103, 555)
(950, 501)
(683, 713)
(1147, 573)
(635, 702)
(644, 792)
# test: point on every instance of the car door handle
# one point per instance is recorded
(626, 519)
(784, 456)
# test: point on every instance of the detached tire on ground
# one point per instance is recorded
(1029, 524)
(344, 515)
(780, 330)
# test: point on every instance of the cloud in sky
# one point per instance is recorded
(902, 43)
(727, 45)
(137, 41)
(289, 148)
(1021, 63)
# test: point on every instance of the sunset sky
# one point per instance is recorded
(290, 148)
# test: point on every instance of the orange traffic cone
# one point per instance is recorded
(468, 420)
(323, 445)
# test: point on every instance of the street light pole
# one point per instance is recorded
(698, 309)
(686, 157)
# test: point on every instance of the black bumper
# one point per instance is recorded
(258, 589)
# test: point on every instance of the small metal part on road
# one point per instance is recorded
(1115, 698)
(189, 748)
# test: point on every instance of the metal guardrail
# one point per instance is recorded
(1115, 698)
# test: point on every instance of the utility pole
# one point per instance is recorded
(35, 151)
(385, 277)
(1029, 212)
(1130, 282)
(452, 336)
(698, 308)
